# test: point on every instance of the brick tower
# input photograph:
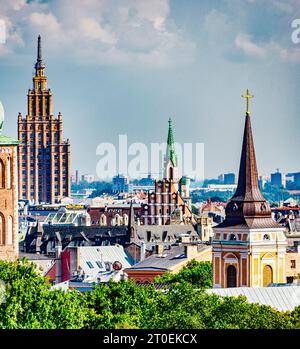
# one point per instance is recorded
(8, 195)
(44, 157)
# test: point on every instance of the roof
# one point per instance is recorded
(255, 223)
(97, 256)
(294, 225)
(284, 298)
(286, 208)
(5, 140)
(168, 234)
(166, 261)
(33, 256)
(171, 154)
(248, 207)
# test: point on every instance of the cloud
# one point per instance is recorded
(239, 40)
(245, 43)
(102, 31)
(290, 55)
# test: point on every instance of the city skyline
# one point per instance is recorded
(211, 57)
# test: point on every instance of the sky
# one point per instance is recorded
(123, 67)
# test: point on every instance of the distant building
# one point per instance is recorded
(120, 184)
(167, 261)
(292, 262)
(229, 178)
(89, 178)
(90, 264)
(220, 187)
(43, 154)
(169, 203)
(276, 179)
(77, 177)
(114, 214)
(297, 180)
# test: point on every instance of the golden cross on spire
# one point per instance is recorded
(247, 96)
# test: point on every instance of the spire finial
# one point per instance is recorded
(39, 50)
(171, 155)
(39, 62)
(247, 96)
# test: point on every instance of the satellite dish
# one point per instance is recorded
(1, 116)
(117, 265)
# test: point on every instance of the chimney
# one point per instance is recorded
(159, 249)
(58, 251)
(143, 251)
(191, 251)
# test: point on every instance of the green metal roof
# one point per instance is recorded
(4, 140)
(171, 154)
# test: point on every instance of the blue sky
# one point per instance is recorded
(125, 66)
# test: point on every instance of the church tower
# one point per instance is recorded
(44, 157)
(8, 195)
(171, 170)
(248, 246)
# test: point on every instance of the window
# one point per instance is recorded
(9, 230)
(232, 237)
(293, 264)
(2, 174)
(99, 264)
(266, 237)
(90, 265)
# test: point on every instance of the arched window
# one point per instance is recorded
(8, 172)
(9, 230)
(103, 219)
(267, 275)
(232, 237)
(2, 174)
(2, 229)
(118, 219)
(125, 219)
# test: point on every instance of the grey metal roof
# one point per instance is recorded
(294, 225)
(283, 298)
(168, 259)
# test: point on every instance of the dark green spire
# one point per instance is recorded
(171, 154)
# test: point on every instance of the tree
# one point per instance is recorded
(185, 304)
(30, 303)
(196, 273)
